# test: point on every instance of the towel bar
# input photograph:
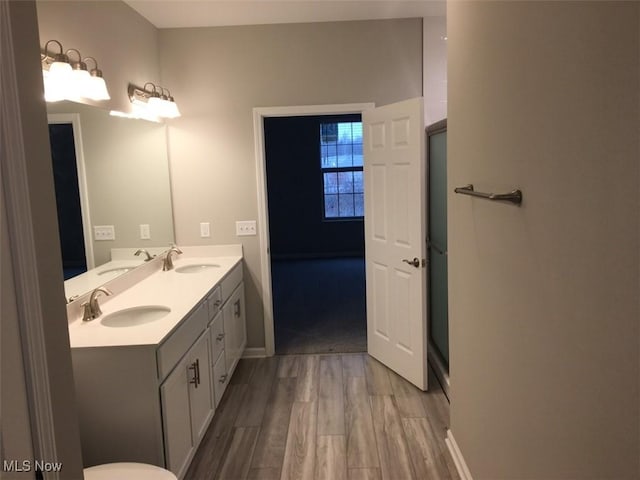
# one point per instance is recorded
(514, 196)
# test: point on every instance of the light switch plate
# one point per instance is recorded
(245, 228)
(104, 232)
(145, 231)
(205, 230)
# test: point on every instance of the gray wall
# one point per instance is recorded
(218, 75)
(544, 298)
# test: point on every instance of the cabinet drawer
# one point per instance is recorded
(214, 300)
(231, 281)
(217, 337)
(172, 350)
(220, 378)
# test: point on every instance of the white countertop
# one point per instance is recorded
(181, 292)
(87, 281)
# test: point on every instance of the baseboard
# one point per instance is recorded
(458, 459)
(439, 369)
(254, 352)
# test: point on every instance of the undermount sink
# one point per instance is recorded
(130, 317)
(197, 268)
(117, 270)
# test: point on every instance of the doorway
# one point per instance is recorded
(71, 194)
(259, 116)
(315, 196)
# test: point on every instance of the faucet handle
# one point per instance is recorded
(144, 250)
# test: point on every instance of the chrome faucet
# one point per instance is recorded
(168, 261)
(144, 250)
(92, 308)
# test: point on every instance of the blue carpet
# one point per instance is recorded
(319, 305)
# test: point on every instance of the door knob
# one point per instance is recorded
(415, 262)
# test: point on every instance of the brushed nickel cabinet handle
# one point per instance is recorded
(195, 366)
(223, 378)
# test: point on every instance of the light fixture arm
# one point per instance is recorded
(95, 72)
(54, 57)
(79, 65)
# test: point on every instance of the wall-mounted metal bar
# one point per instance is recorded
(514, 196)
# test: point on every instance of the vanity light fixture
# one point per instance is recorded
(153, 98)
(97, 85)
(65, 79)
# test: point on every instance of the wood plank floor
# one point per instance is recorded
(317, 417)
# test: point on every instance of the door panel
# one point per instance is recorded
(395, 230)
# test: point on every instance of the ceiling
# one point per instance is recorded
(205, 13)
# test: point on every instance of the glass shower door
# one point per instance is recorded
(437, 240)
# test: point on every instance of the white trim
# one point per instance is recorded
(74, 120)
(255, 352)
(259, 114)
(458, 459)
(31, 318)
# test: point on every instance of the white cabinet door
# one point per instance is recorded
(220, 378)
(395, 233)
(200, 399)
(241, 323)
(234, 328)
(178, 441)
(187, 405)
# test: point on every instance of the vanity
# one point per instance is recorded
(152, 368)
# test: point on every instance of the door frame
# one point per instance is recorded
(259, 114)
(74, 120)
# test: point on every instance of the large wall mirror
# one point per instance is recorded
(112, 173)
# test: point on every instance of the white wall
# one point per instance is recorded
(434, 68)
(218, 75)
(544, 297)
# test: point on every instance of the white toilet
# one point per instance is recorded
(127, 471)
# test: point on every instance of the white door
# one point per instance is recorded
(395, 229)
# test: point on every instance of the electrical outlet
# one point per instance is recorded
(205, 230)
(145, 231)
(245, 228)
(104, 232)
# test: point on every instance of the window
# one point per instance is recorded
(341, 166)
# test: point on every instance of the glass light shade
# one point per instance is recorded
(98, 89)
(56, 84)
(144, 112)
(156, 106)
(79, 84)
(59, 69)
(172, 110)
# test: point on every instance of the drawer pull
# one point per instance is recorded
(220, 337)
(236, 309)
(223, 378)
(217, 303)
(195, 366)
